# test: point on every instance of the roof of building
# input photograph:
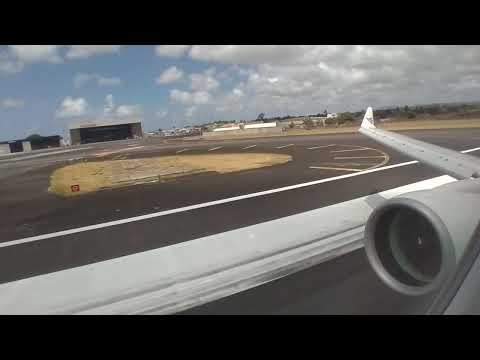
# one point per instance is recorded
(102, 122)
(17, 140)
(11, 141)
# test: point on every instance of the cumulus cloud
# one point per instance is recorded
(108, 81)
(173, 51)
(112, 111)
(14, 57)
(203, 88)
(82, 79)
(204, 81)
(245, 54)
(190, 98)
(8, 65)
(71, 107)
(190, 111)
(299, 79)
(109, 106)
(10, 103)
(128, 110)
(170, 75)
(86, 51)
(36, 53)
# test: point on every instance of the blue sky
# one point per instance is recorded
(45, 88)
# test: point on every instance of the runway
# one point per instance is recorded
(325, 170)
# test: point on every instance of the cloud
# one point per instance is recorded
(71, 107)
(190, 98)
(128, 110)
(82, 79)
(36, 53)
(245, 54)
(301, 79)
(170, 75)
(108, 81)
(112, 111)
(190, 111)
(10, 103)
(204, 81)
(202, 86)
(238, 92)
(109, 107)
(86, 51)
(14, 57)
(174, 51)
(9, 66)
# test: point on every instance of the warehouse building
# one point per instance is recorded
(104, 131)
(32, 143)
(45, 142)
(15, 146)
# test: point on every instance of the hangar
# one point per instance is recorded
(31, 143)
(104, 131)
(14, 146)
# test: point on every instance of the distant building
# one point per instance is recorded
(15, 146)
(105, 131)
(30, 144)
(261, 125)
(46, 142)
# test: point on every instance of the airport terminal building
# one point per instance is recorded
(104, 131)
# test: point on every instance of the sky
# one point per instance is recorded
(45, 88)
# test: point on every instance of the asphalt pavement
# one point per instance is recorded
(27, 210)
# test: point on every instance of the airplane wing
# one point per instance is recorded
(453, 163)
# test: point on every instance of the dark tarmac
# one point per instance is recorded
(28, 209)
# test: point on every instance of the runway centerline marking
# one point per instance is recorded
(319, 147)
(333, 168)
(204, 205)
(249, 147)
(215, 148)
(284, 146)
(180, 151)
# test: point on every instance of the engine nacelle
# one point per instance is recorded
(415, 241)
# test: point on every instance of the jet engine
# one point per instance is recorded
(415, 241)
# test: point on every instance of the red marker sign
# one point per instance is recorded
(75, 188)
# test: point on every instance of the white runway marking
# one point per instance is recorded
(319, 147)
(249, 147)
(348, 163)
(215, 148)
(180, 151)
(333, 168)
(360, 149)
(470, 150)
(358, 157)
(204, 205)
(284, 146)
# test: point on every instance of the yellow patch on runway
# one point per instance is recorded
(99, 175)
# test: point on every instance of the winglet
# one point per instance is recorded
(367, 122)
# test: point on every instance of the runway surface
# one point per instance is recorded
(28, 210)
